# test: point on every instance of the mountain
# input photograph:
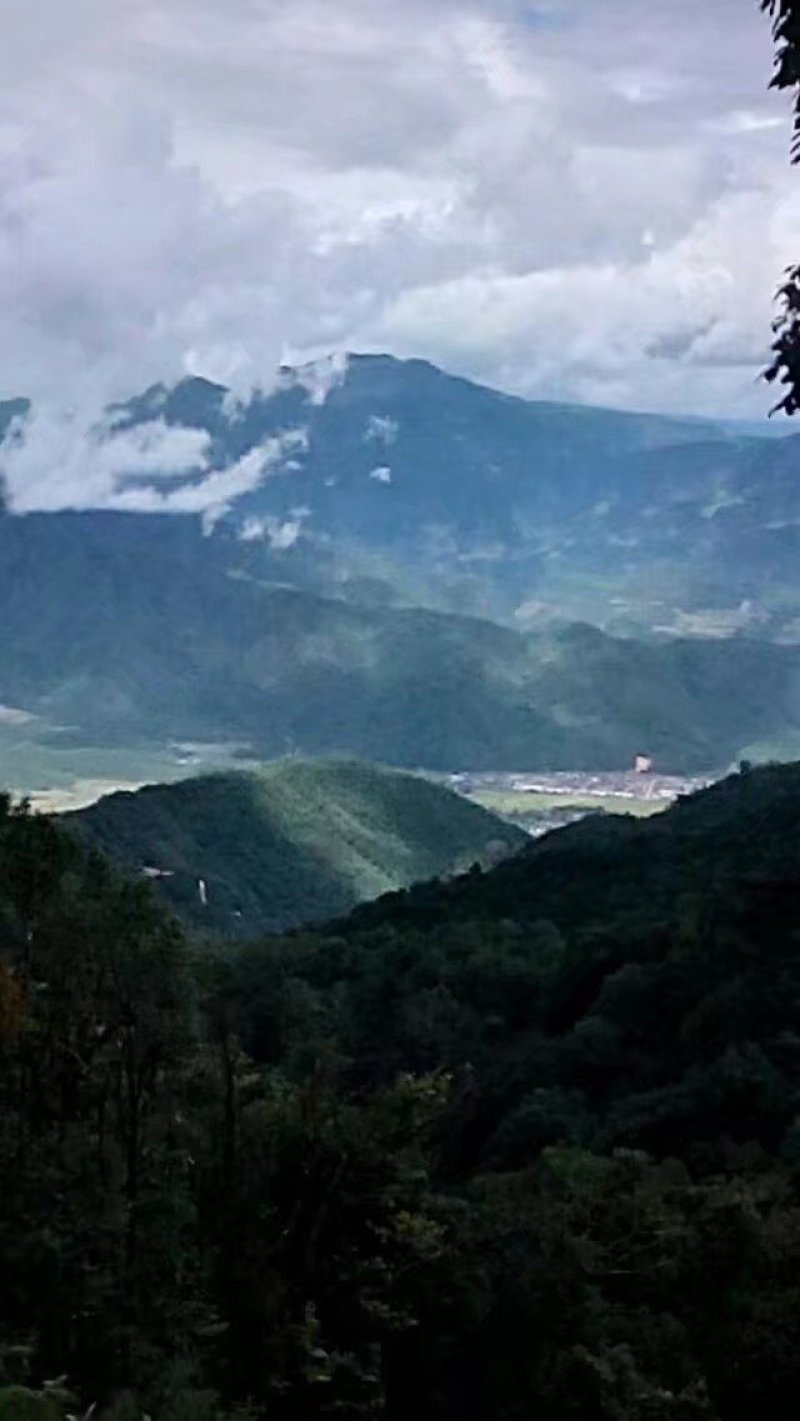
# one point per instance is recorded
(133, 631)
(333, 612)
(410, 485)
(615, 1011)
(622, 983)
(734, 838)
(441, 491)
(297, 841)
(521, 1144)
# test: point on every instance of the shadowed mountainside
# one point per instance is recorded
(297, 841)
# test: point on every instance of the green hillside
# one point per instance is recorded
(615, 1015)
(198, 646)
(297, 841)
(742, 830)
(521, 1144)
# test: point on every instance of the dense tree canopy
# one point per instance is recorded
(524, 1144)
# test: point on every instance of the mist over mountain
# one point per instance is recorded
(392, 480)
(399, 578)
(444, 492)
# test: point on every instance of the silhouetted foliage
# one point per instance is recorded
(785, 366)
(785, 16)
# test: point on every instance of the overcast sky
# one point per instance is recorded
(577, 199)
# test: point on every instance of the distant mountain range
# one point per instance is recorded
(411, 485)
(243, 854)
(416, 486)
(436, 576)
(126, 630)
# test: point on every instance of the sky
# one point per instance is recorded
(582, 200)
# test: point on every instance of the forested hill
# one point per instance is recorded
(523, 1145)
(204, 645)
(621, 953)
(606, 868)
(300, 840)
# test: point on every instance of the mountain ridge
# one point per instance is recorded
(185, 651)
(443, 491)
(290, 843)
(403, 587)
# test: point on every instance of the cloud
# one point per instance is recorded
(51, 461)
(281, 534)
(684, 326)
(321, 376)
(381, 475)
(549, 197)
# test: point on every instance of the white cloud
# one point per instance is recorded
(743, 121)
(683, 326)
(281, 534)
(552, 198)
(321, 376)
(643, 86)
(381, 475)
(53, 461)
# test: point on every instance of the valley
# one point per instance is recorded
(57, 771)
(537, 587)
(543, 802)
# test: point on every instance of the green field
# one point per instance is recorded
(57, 774)
(28, 766)
(520, 804)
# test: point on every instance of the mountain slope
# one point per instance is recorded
(297, 841)
(619, 983)
(125, 630)
(412, 485)
(741, 831)
(522, 1145)
(471, 500)
(611, 1019)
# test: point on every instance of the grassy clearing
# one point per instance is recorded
(516, 802)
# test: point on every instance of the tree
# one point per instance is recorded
(785, 366)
